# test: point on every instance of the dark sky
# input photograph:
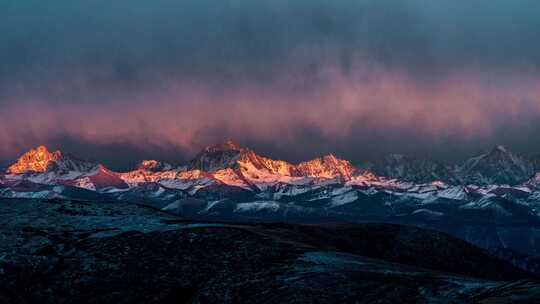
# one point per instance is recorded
(124, 80)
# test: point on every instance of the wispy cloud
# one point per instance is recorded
(342, 104)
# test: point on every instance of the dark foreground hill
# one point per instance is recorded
(61, 251)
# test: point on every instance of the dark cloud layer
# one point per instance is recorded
(293, 78)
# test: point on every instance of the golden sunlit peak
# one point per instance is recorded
(154, 165)
(35, 160)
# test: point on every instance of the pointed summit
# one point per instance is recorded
(498, 166)
(154, 166)
(40, 159)
(35, 160)
(216, 157)
(328, 166)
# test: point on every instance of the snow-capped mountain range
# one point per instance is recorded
(230, 182)
(497, 166)
(232, 166)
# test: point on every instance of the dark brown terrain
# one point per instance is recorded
(57, 251)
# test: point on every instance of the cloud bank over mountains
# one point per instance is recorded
(297, 78)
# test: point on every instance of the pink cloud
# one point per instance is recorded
(339, 103)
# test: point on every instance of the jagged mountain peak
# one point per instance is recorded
(496, 154)
(34, 160)
(40, 159)
(230, 155)
(328, 166)
(497, 166)
(217, 157)
(153, 166)
(500, 150)
(332, 160)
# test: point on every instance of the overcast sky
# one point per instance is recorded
(124, 80)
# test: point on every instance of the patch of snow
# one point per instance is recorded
(344, 199)
(257, 206)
